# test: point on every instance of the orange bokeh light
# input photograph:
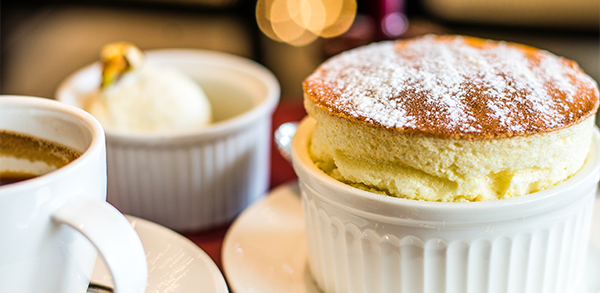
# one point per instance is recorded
(300, 22)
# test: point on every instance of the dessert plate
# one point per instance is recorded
(265, 251)
(175, 264)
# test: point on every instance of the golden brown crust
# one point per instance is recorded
(454, 86)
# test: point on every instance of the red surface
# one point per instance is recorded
(281, 172)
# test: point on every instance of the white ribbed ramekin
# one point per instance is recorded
(364, 242)
(199, 179)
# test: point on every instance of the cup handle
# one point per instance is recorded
(114, 238)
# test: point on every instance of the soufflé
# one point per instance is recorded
(450, 118)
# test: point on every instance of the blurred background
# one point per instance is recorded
(42, 42)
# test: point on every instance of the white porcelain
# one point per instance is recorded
(175, 264)
(195, 179)
(44, 222)
(364, 242)
(265, 249)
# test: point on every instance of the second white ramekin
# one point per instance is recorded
(198, 179)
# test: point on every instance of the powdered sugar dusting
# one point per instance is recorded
(449, 85)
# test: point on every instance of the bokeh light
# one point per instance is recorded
(300, 22)
(394, 24)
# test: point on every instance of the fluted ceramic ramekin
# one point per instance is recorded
(198, 179)
(364, 242)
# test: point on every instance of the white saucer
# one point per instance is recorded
(265, 251)
(175, 264)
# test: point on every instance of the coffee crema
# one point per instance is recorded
(23, 156)
(14, 177)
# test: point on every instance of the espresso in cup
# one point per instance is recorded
(23, 156)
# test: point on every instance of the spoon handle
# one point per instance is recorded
(283, 139)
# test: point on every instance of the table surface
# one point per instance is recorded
(211, 241)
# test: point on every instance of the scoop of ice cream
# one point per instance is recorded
(143, 98)
(152, 100)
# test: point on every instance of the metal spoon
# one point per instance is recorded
(283, 138)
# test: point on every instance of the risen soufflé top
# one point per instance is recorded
(454, 86)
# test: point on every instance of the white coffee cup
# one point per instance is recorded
(52, 226)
